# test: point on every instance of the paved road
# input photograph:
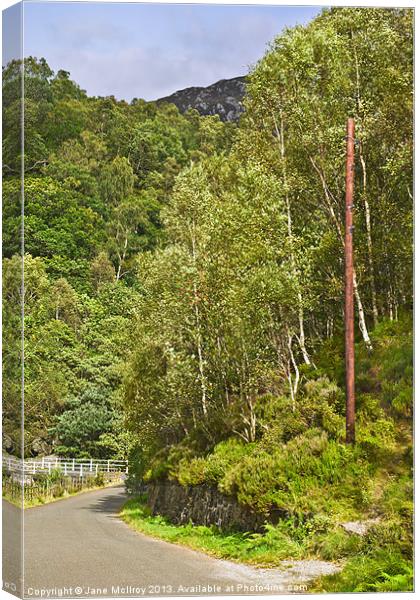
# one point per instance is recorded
(79, 547)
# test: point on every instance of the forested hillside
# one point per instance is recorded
(97, 174)
(184, 285)
(247, 288)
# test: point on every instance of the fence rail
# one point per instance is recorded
(68, 466)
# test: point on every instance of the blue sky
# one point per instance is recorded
(149, 51)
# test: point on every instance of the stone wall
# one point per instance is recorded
(202, 505)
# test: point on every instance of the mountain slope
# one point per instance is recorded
(223, 98)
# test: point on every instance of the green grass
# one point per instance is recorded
(258, 549)
(40, 500)
(381, 571)
(287, 540)
(300, 464)
(373, 563)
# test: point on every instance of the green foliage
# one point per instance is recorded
(57, 221)
(252, 257)
(99, 480)
(298, 476)
(48, 488)
(383, 571)
(183, 290)
(301, 465)
(83, 421)
(261, 549)
(211, 469)
(55, 476)
(136, 468)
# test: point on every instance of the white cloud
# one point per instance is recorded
(149, 52)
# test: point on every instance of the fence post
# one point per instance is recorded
(108, 467)
(96, 469)
(56, 462)
(91, 464)
(73, 465)
(65, 468)
(81, 470)
(33, 467)
(43, 462)
(126, 468)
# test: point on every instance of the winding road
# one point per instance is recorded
(79, 547)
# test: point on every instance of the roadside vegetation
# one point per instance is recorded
(368, 564)
(302, 465)
(48, 488)
(237, 380)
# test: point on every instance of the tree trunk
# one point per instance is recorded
(280, 135)
(365, 200)
(223, 371)
(369, 241)
(302, 332)
(198, 335)
(294, 387)
(362, 322)
(360, 309)
(121, 258)
(200, 354)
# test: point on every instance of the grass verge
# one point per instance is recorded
(260, 549)
(41, 500)
(372, 563)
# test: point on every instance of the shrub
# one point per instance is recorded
(137, 465)
(55, 476)
(335, 544)
(191, 472)
(99, 479)
(397, 497)
(376, 434)
(304, 476)
(318, 405)
(212, 468)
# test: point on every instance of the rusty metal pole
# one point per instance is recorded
(349, 308)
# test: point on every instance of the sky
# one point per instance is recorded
(148, 50)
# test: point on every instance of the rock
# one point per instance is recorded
(360, 527)
(8, 444)
(40, 447)
(223, 98)
(204, 505)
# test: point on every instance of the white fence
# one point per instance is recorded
(68, 466)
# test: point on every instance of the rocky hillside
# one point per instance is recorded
(223, 98)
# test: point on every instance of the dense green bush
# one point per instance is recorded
(308, 474)
(80, 426)
(300, 463)
(188, 273)
(212, 468)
